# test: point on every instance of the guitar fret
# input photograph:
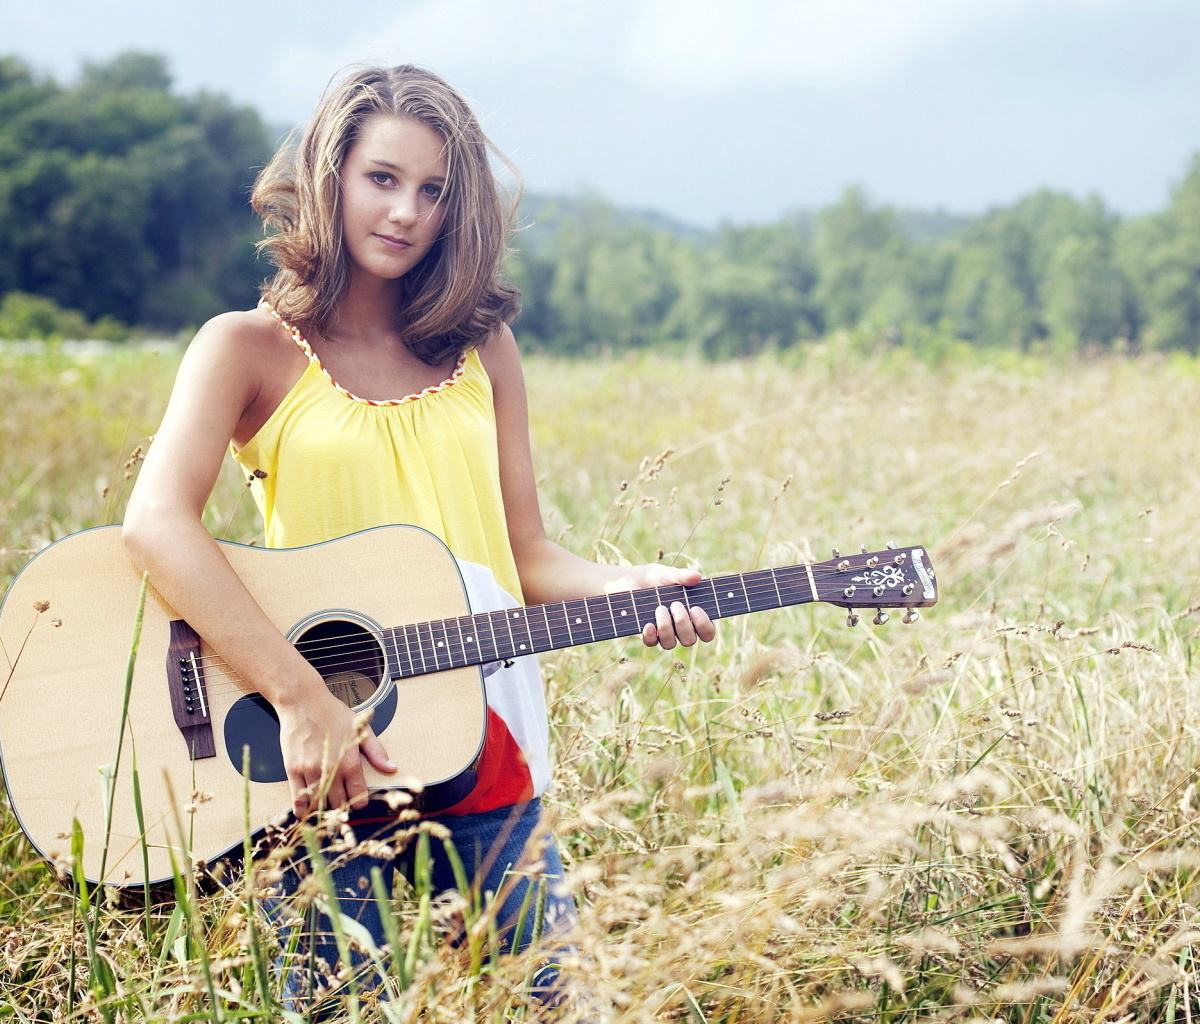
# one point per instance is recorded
(566, 608)
(725, 590)
(560, 633)
(396, 666)
(521, 621)
(645, 602)
(752, 582)
(429, 639)
(798, 585)
(495, 652)
(704, 595)
(601, 625)
(462, 643)
(549, 643)
(626, 615)
(415, 637)
(468, 639)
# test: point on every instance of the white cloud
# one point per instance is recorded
(839, 45)
(467, 41)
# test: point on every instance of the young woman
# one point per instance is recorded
(378, 382)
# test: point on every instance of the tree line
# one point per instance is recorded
(1049, 272)
(124, 203)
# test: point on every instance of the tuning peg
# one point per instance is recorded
(880, 617)
(891, 545)
(851, 618)
(862, 548)
(911, 615)
(836, 553)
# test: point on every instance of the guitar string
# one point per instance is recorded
(751, 591)
(331, 649)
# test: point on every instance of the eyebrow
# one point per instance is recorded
(397, 167)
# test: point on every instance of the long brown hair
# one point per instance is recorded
(454, 298)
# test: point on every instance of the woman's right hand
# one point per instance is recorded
(323, 744)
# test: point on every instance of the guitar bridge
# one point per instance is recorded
(189, 697)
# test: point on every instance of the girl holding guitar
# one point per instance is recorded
(378, 382)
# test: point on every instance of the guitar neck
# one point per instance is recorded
(423, 647)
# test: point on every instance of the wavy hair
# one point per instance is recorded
(454, 298)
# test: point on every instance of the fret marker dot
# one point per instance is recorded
(730, 594)
(522, 647)
(470, 639)
(577, 621)
(441, 644)
(516, 615)
(624, 613)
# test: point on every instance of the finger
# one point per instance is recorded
(353, 783)
(649, 634)
(376, 754)
(301, 797)
(666, 628)
(356, 792)
(705, 629)
(685, 632)
(335, 794)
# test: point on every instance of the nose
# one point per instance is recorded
(404, 209)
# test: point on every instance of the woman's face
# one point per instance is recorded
(393, 180)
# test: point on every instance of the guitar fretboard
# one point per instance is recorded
(423, 647)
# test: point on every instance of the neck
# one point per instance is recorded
(369, 307)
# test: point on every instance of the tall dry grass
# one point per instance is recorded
(987, 815)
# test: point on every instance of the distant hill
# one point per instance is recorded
(542, 213)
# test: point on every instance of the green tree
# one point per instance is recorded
(859, 256)
(119, 198)
(984, 300)
(1161, 256)
(1084, 295)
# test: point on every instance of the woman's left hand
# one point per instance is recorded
(673, 624)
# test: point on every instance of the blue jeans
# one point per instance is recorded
(489, 845)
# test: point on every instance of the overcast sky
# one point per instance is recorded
(715, 110)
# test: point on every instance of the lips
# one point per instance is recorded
(399, 244)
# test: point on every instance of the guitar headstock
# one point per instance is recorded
(895, 578)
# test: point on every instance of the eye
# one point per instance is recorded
(380, 177)
(433, 191)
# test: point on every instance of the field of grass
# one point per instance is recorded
(990, 814)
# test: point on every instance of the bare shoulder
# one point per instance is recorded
(501, 358)
(248, 335)
(248, 349)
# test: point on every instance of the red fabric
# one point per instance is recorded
(504, 777)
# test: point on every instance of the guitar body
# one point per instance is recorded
(62, 678)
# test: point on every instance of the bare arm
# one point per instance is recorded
(220, 378)
(549, 572)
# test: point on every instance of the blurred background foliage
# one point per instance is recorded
(123, 204)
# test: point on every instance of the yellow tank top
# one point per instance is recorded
(327, 463)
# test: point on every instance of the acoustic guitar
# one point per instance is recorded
(382, 614)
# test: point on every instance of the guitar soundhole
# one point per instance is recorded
(348, 656)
